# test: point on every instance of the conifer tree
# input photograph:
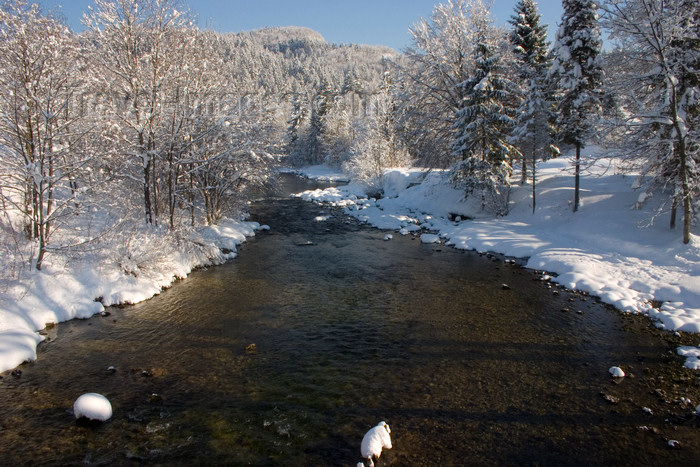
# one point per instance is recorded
(484, 123)
(532, 133)
(294, 122)
(578, 73)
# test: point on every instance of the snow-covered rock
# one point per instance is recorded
(374, 440)
(93, 406)
(429, 238)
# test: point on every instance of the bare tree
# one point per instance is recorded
(135, 59)
(39, 132)
(661, 41)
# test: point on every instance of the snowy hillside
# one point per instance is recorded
(607, 248)
(276, 35)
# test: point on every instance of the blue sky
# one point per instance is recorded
(376, 22)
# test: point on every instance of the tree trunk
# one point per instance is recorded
(154, 181)
(576, 176)
(534, 179)
(686, 189)
(147, 189)
(674, 210)
(687, 214)
(523, 175)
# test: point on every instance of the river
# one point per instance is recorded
(320, 329)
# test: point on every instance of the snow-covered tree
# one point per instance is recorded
(577, 69)
(660, 41)
(377, 143)
(485, 119)
(321, 105)
(440, 60)
(133, 55)
(295, 122)
(532, 133)
(40, 133)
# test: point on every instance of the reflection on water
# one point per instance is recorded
(348, 331)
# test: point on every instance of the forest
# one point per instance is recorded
(144, 127)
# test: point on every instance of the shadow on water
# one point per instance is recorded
(348, 330)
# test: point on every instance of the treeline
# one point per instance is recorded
(481, 99)
(145, 118)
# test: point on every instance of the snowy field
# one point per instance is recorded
(127, 268)
(609, 248)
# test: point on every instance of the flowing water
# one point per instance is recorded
(320, 329)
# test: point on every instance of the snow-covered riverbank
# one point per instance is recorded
(608, 248)
(111, 275)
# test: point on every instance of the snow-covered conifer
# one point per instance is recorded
(577, 70)
(532, 132)
(485, 118)
(439, 61)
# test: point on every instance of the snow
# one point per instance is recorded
(93, 406)
(65, 290)
(320, 172)
(374, 440)
(609, 248)
(429, 238)
(692, 356)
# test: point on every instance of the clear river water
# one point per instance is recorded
(317, 331)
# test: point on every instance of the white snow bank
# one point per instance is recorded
(692, 356)
(319, 172)
(114, 275)
(607, 248)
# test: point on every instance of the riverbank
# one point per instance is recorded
(350, 329)
(123, 269)
(615, 247)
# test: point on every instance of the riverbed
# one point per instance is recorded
(321, 328)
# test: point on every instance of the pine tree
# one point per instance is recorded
(531, 49)
(485, 121)
(484, 124)
(579, 75)
(322, 104)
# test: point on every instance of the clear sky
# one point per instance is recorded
(375, 22)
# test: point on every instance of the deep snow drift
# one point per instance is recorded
(609, 248)
(67, 289)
